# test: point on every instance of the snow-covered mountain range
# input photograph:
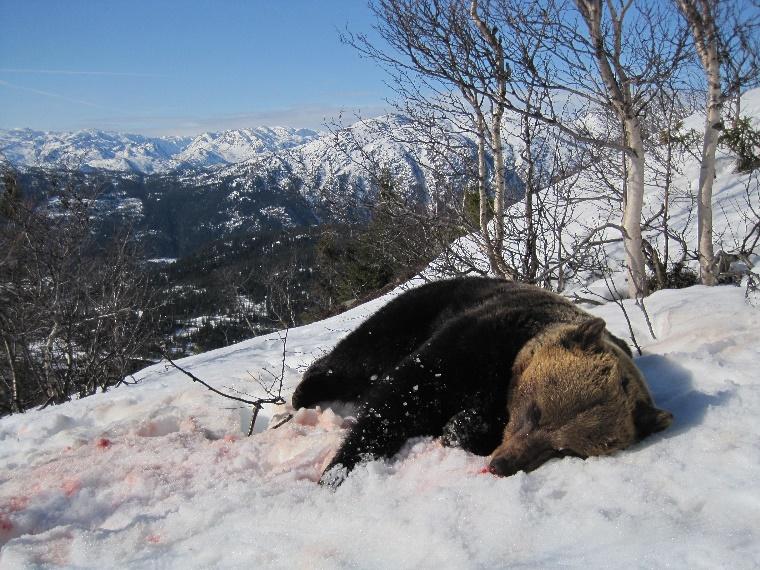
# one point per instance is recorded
(344, 163)
(314, 156)
(92, 149)
(241, 180)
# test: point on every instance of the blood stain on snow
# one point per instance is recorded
(153, 538)
(103, 443)
(307, 417)
(5, 524)
(71, 486)
(16, 504)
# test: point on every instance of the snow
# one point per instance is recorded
(159, 473)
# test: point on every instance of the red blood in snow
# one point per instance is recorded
(71, 487)
(103, 443)
(230, 437)
(17, 504)
(5, 524)
(484, 470)
(153, 538)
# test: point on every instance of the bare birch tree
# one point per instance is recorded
(621, 96)
(722, 33)
(440, 45)
(76, 314)
(499, 54)
(608, 57)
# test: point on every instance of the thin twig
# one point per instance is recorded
(615, 294)
(283, 421)
(194, 378)
(257, 403)
(640, 305)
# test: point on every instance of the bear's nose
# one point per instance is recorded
(503, 466)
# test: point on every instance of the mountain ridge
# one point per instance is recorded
(94, 149)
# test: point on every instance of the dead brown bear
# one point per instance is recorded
(498, 368)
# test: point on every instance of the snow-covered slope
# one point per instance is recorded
(157, 474)
(593, 211)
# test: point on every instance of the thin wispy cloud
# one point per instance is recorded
(56, 96)
(79, 72)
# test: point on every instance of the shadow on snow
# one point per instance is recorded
(673, 389)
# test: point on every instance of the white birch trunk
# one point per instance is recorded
(634, 202)
(699, 16)
(15, 406)
(621, 103)
(707, 173)
(499, 182)
(486, 244)
(496, 245)
(482, 174)
(47, 363)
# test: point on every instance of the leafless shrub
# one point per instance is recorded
(76, 314)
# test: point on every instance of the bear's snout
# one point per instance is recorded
(503, 466)
(507, 464)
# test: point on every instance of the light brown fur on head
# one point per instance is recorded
(574, 391)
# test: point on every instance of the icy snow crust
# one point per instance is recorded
(158, 474)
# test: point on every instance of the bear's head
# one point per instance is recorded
(574, 392)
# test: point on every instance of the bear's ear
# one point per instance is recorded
(649, 420)
(586, 335)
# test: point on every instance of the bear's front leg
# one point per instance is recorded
(421, 394)
(403, 405)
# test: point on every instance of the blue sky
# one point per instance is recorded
(182, 66)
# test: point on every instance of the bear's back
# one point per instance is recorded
(526, 305)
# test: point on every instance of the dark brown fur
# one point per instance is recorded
(501, 369)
